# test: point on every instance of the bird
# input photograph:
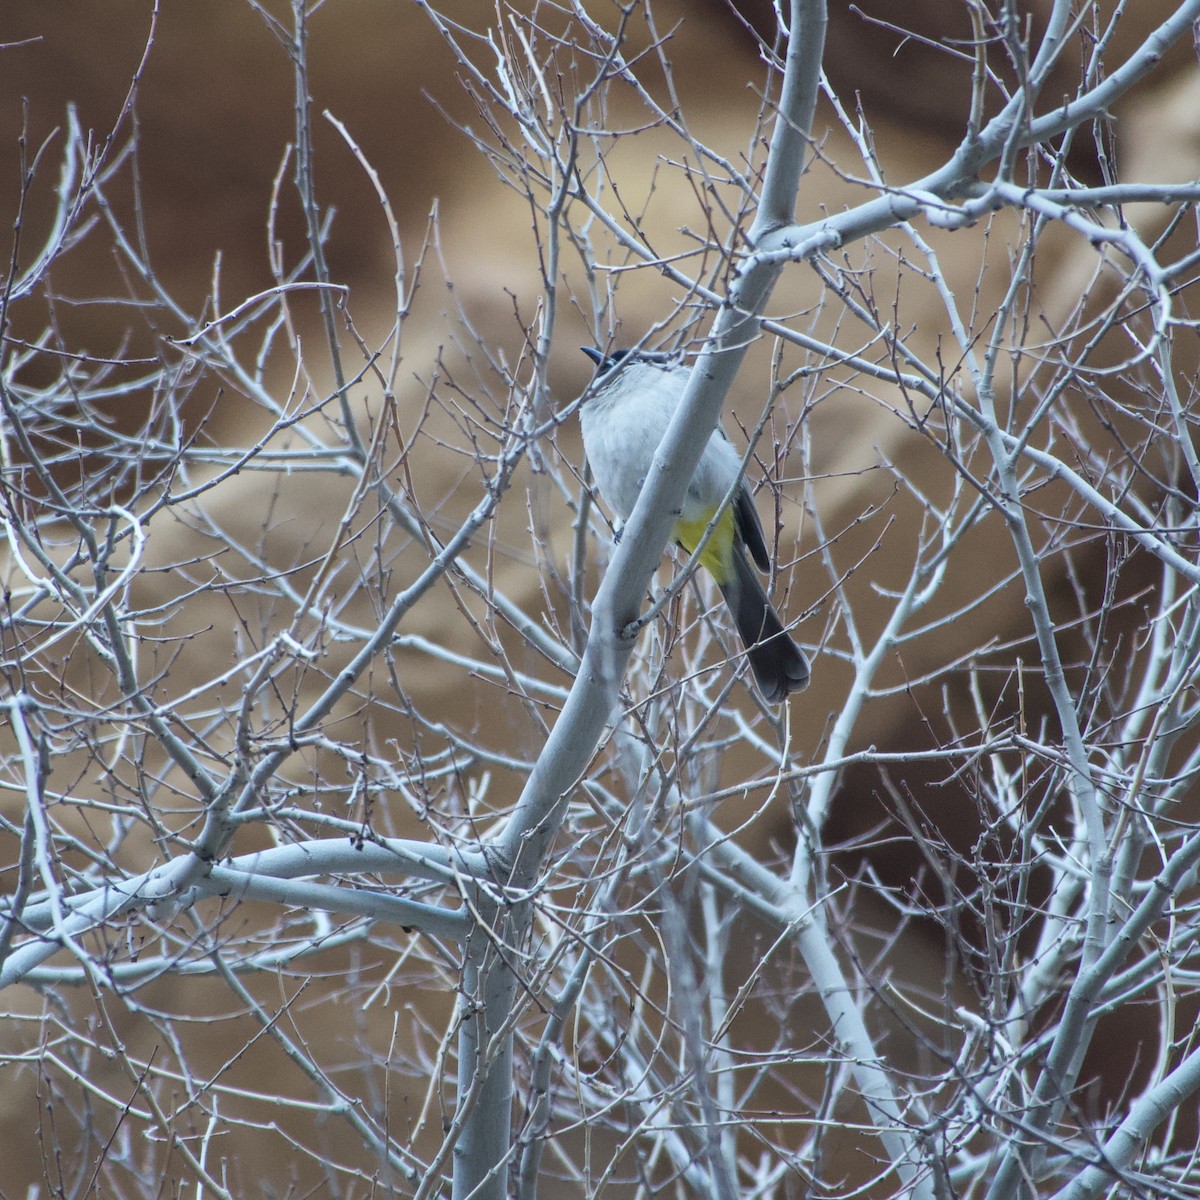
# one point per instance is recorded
(633, 396)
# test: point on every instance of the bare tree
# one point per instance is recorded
(237, 821)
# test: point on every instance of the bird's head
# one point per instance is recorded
(608, 364)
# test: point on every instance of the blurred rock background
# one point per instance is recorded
(213, 117)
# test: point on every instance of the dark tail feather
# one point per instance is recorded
(778, 663)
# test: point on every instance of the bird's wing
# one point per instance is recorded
(750, 528)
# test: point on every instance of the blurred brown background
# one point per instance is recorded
(214, 113)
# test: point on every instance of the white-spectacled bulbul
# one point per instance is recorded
(635, 396)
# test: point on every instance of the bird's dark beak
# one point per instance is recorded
(597, 356)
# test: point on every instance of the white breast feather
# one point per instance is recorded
(622, 427)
